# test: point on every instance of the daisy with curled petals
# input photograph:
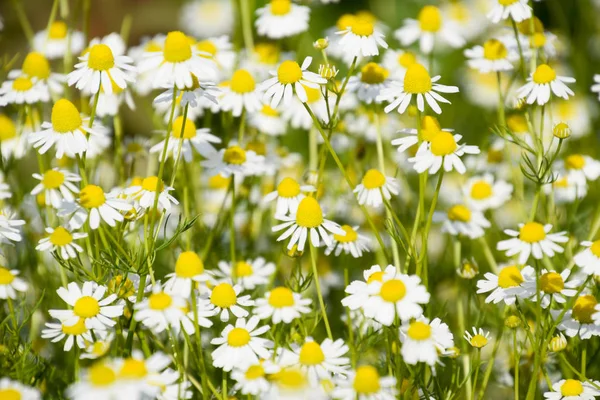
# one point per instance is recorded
(395, 295)
(189, 269)
(443, 150)
(19, 391)
(161, 310)
(90, 303)
(254, 380)
(8, 228)
(462, 220)
(582, 320)
(241, 94)
(417, 82)
(365, 383)
(361, 38)
(247, 273)
(307, 220)
(478, 339)
(507, 286)
(77, 333)
(288, 195)
(534, 239)
(423, 340)
(429, 128)
(281, 18)
(553, 287)
(484, 192)
(57, 186)
(428, 27)
(10, 283)
(148, 189)
(589, 259)
(290, 78)
(573, 389)
(357, 291)
(493, 56)
(544, 82)
(99, 381)
(185, 139)
(282, 305)
(23, 89)
(374, 187)
(226, 298)
(352, 243)
(517, 10)
(372, 79)
(241, 346)
(234, 160)
(61, 241)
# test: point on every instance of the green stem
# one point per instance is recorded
(25, 25)
(313, 260)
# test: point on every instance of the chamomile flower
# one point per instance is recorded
(352, 243)
(57, 185)
(23, 89)
(234, 160)
(288, 195)
(478, 339)
(544, 82)
(189, 269)
(418, 83)
(517, 10)
(204, 18)
(199, 97)
(77, 333)
(365, 383)
(565, 190)
(397, 61)
(161, 310)
(99, 347)
(101, 380)
(534, 239)
(226, 299)
(147, 191)
(220, 50)
(374, 187)
(290, 78)
(241, 94)
(55, 42)
(299, 117)
(358, 292)
(205, 310)
(572, 389)
(507, 286)
(493, 56)
(282, 305)
(368, 85)
(255, 379)
(185, 139)
(10, 283)
(553, 287)
(463, 220)
(61, 240)
(10, 389)
(423, 341)
(13, 144)
(484, 192)
(307, 220)
(293, 384)
(443, 151)
(247, 273)
(37, 67)
(589, 259)
(8, 230)
(90, 303)
(580, 168)
(282, 18)
(268, 121)
(241, 346)
(579, 320)
(361, 38)
(429, 128)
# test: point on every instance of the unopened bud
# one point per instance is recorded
(328, 71)
(562, 130)
(321, 44)
(558, 343)
(468, 270)
(512, 322)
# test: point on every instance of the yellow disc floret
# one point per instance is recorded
(309, 214)
(242, 82)
(494, 49)
(481, 190)
(584, 308)
(393, 290)
(36, 65)
(58, 30)
(280, 7)
(552, 282)
(6, 277)
(311, 354)
(373, 74)
(373, 179)
(510, 277)
(366, 380)
(91, 196)
(188, 265)
(52, 179)
(430, 19)
(234, 155)
(160, 301)
(60, 237)
(181, 132)
(177, 47)
(223, 295)
(281, 297)
(544, 74)
(532, 232)
(86, 307)
(419, 330)
(443, 144)
(350, 236)
(65, 117)
(288, 188)
(460, 213)
(417, 79)
(571, 387)
(289, 72)
(238, 337)
(101, 375)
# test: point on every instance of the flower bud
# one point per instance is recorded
(328, 71)
(558, 343)
(512, 322)
(561, 130)
(321, 44)
(468, 270)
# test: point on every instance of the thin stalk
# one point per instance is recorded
(313, 260)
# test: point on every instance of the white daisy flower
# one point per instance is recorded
(99, 347)
(589, 259)
(493, 56)
(147, 191)
(417, 82)
(288, 195)
(23, 89)
(220, 50)
(365, 383)
(580, 168)
(542, 83)
(483, 192)
(361, 38)
(290, 78)
(226, 298)
(423, 341)
(553, 287)
(579, 321)
(8, 230)
(358, 292)
(199, 97)
(234, 160)
(61, 241)
(13, 144)
(189, 269)
(241, 346)
(204, 18)
(53, 43)
(443, 150)
(247, 273)
(517, 10)
(8, 388)
(307, 220)
(293, 384)
(241, 94)
(281, 18)
(146, 375)
(463, 220)
(507, 286)
(10, 283)
(282, 305)
(89, 303)
(297, 115)
(565, 190)
(37, 67)
(77, 333)
(254, 380)
(268, 121)
(368, 85)
(352, 243)
(201, 317)
(532, 238)
(100, 381)
(57, 186)
(161, 310)
(478, 339)
(429, 26)
(573, 389)
(429, 128)
(374, 187)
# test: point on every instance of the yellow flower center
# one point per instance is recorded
(350, 236)
(234, 155)
(207, 46)
(345, 21)
(60, 237)
(36, 65)
(101, 375)
(289, 72)
(417, 79)
(309, 213)
(430, 127)
(180, 132)
(494, 50)
(312, 94)
(362, 26)
(373, 74)
(65, 116)
(91, 196)
(419, 331)
(53, 179)
(595, 248)
(311, 354)
(537, 40)
(242, 82)
(544, 74)
(267, 53)
(478, 341)
(510, 277)
(7, 128)
(242, 269)
(375, 276)
(288, 188)
(58, 30)
(280, 7)
(407, 59)
(218, 182)
(459, 213)
(160, 301)
(177, 47)
(281, 297)
(443, 144)
(552, 282)
(584, 308)
(507, 2)
(6, 277)
(133, 369)
(86, 307)
(153, 184)
(152, 46)
(393, 290)
(373, 179)
(366, 380)
(101, 58)
(291, 379)
(430, 19)
(10, 394)
(254, 372)
(77, 329)
(22, 84)
(481, 190)
(188, 265)
(517, 123)
(532, 232)
(269, 111)
(571, 387)
(223, 295)
(238, 337)
(575, 161)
